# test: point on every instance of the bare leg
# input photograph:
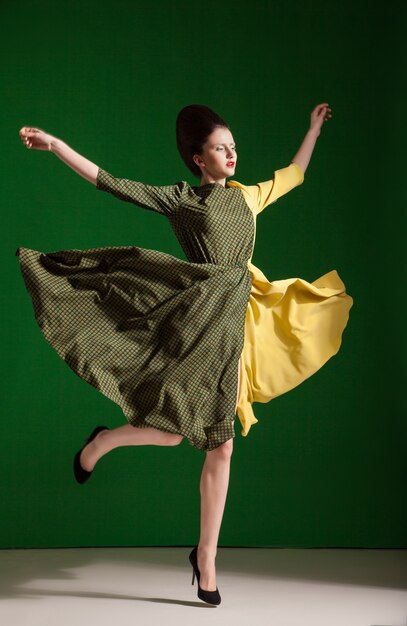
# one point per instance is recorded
(213, 487)
(127, 435)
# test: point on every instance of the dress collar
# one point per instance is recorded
(208, 185)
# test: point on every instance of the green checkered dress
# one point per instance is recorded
(158, 335)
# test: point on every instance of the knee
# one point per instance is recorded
(224, 451)
(176, 439)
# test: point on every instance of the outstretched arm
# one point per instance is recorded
(321, 113)
(40, 140)
(164, 199)
(77, 162)
(261, 195)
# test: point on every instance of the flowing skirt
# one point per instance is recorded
(292, 328)
(159, 336)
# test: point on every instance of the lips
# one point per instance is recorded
(230, 164)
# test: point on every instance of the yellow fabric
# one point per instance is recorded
(292, 327)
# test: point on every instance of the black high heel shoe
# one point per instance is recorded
(82, 475)
(212, 597)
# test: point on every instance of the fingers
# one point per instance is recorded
(321, 113)
(25, 134)
(29, 131)
(28, 134)
(324, 110)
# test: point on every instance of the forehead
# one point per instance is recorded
(220, 135)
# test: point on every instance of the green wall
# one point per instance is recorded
(326, 464)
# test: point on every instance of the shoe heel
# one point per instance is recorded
(212, 597)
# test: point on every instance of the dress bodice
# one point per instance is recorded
(214, 224)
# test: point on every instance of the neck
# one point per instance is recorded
(209, 180)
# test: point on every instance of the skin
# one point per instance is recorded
(217, 150)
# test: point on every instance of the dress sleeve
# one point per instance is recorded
(163, 199)
(261, 195)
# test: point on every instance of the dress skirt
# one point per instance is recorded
(292, 328)
(159, 336)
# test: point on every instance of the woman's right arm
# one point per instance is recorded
(164, 199)
(38, 139)
(77, 162)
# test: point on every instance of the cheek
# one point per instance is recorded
(218, 159)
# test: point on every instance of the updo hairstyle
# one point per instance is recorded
(194, 124)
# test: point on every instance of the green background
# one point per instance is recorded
(326, 464)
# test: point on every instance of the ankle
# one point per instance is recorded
(100, 443)
(93, 451)
(207, 551)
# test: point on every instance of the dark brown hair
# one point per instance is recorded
(194, 124)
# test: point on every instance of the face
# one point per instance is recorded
(218, 158)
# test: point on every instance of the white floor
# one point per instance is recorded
(152, 586)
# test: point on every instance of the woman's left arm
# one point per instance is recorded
(319, 115)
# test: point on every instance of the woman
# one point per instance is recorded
(169, 340)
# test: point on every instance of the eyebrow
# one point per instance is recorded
(225, 144)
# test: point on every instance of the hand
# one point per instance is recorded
(321, 114)
(36, 138)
